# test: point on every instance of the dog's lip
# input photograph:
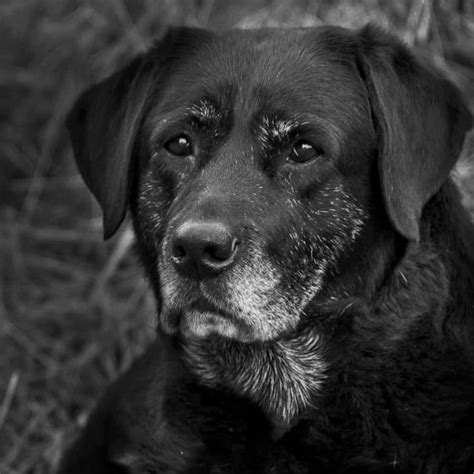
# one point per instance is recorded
(203, 305)
(199, 305)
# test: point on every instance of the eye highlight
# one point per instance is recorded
(179, 146)
(303, 151)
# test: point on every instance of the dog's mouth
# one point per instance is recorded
(201, 318)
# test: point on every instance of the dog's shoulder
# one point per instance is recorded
(131, 420)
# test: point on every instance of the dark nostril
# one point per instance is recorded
(221, 252)
(213, 253)
(178, 251)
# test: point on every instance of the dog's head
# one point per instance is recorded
(263, 167)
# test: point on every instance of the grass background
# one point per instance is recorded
(74, 311)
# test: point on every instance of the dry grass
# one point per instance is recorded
(73, 310)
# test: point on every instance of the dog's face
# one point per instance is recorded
(250, 189)
(254, 161)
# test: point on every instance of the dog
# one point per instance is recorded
(312, 264)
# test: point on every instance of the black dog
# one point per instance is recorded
(312, 264)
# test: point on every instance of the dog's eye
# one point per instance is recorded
(303, 151)
(179, 146)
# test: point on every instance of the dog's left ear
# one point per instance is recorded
(420, 121)
(103, 125)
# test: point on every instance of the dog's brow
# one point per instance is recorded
(205, 111)
(277, 129)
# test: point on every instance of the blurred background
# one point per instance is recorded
(74, 311)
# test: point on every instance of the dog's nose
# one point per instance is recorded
(202, 249)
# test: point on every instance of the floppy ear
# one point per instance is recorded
(104, 122)
(420, 121)
(103, 125)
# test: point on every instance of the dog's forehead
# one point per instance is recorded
(301, 71)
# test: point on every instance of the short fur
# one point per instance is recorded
(341, 338)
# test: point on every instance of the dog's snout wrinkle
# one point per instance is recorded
(201, 249)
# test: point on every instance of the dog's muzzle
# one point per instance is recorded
(199, 257)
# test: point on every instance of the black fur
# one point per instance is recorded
(341, 338)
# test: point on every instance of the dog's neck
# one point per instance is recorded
(283, 377)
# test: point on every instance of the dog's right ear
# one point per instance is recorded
(104, 122)
(103, 125)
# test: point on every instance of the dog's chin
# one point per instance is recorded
(199, 324)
